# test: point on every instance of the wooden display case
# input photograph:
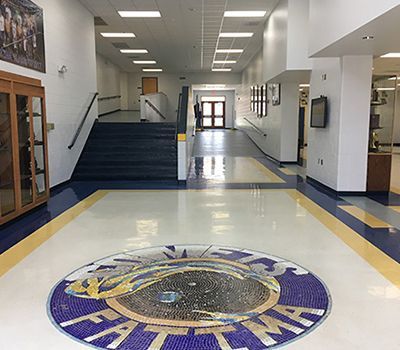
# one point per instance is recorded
(24, 179)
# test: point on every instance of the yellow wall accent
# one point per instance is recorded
(374, 256)
(366, 218)
(181, 137)
(20, 251)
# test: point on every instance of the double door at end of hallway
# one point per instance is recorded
(213, 115)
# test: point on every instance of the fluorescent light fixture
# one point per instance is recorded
(140, 14)
(393, 78)
(152, 70)
(222, 69)
(230, 50)
(118, 35)
(386, 89)
(391, 55)
(225, 62)
(304, 85)
(144, 62)
(245, 13)
(134, 51)
(236, 35)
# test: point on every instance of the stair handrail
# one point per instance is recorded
(155, 109)
(256, 128)
(82, 123)
(181, 125)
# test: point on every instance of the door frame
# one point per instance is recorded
(213, 103)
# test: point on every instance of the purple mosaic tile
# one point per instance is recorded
(189, 297)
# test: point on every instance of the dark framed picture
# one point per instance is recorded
(264, 102)
(275, 94)
(21, 34)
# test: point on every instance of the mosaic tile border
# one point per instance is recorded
(93, 305)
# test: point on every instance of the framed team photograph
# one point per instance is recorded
(275, 94)
(21, 34)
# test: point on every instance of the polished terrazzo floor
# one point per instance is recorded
(280, 228)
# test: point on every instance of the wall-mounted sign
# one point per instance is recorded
(21, 34)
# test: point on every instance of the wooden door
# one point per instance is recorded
(149, 85)
(213, 115)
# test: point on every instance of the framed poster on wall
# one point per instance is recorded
(21, 34)
(276, 94)
(264, 101)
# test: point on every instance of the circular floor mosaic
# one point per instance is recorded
(189, 298)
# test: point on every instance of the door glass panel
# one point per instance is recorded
(219, 109)
(24, 142)
(219, 122)
(207, 109)
(39, 146)
(207, 122)
(7, 195)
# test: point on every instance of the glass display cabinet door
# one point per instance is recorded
(25, 149)
(39, 147)
(7, 193)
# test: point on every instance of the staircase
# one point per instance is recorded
(129, 152)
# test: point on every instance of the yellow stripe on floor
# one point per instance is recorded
(395, 190)
(366, 218)
(395, 208)
(374, 256)
(20, 251)
(274, 178)
(287, 171)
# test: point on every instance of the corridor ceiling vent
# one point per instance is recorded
(118, 35)
(98, 21)
(245, 14)
(140, 14)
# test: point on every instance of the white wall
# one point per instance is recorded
(343, 144)
(230, 103)
(285, 43)
(330, 20)
(108, 85)
(171, 85)
(124, 91)
(70, 40)
(281, 124)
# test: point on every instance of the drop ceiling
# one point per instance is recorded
(185, 38)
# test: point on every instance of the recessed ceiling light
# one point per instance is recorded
(391, 55)
(134, 51)
(222, 69)
(230, 50)
(368, 37)
(144, 62)
(393, 78)
(140, 14)
(245, 13)
(304, 85)
(386, 89)
(118, 35)
(236, 35)
(152, 70)
(225, 62)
